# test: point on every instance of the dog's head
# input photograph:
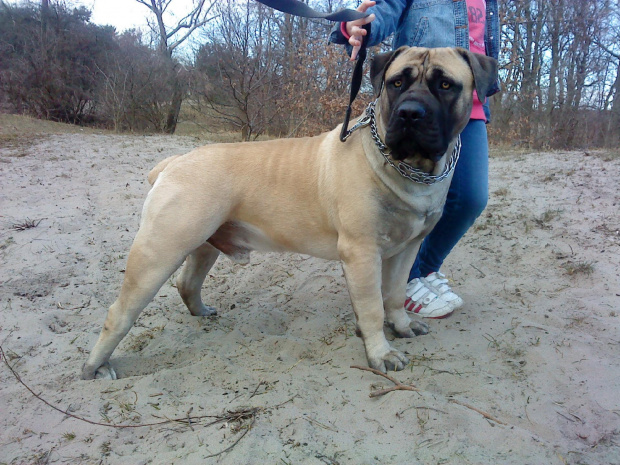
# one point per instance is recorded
(426, 97)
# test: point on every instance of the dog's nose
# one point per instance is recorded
(411, 111)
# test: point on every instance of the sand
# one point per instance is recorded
(536, 347)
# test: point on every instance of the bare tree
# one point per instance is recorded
(169, 39)
(554, 75)
(607, 40)
(48, 60)
(260, 71)
(239, 68)
(132, 91)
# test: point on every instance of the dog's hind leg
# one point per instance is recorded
(193, 274)
(150, 263)
(168, 233)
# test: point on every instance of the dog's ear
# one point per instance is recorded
(484, 69)
(380, 62)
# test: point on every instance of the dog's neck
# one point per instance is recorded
(404, 189)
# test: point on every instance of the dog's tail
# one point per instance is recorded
(152, 177)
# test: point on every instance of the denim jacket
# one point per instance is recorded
(428, 23)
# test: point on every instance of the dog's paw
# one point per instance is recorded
(204, 310)
(105, 371)
(394, 360)
(410, 329)
(419, 328)
(406, 332)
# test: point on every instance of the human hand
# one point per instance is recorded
(355, 30)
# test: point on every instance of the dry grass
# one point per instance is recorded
(576, 268)
(206, 126)
(506, 150)
(16, 126)
(105, 448)
(605, 154)
(68, 436)
(19, 131)
(502, 192)
(26, 224)
(544, 220)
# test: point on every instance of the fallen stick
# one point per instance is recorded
(398, 386)
(484, 414)
(184, 420)
(248, 428)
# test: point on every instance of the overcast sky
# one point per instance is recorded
(125, 14)
(122, 14)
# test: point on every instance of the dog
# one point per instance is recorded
(314, 195)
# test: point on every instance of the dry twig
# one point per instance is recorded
(260, 383)
(397, 387)
(237, 441)
(484, 414)
(229, 416)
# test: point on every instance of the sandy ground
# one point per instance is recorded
(536, 345)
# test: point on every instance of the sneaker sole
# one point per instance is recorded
(416, 309)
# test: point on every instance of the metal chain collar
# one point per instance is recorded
(405, 169)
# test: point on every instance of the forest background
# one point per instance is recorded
(227, 66)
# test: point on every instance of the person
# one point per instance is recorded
(474, 25)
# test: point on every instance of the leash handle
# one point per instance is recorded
(356, 81)
(297, 8)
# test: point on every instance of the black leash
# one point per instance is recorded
(356, 83)
(298, 8)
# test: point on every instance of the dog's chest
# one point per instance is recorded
(400, 224)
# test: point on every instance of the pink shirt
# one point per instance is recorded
(477, 20)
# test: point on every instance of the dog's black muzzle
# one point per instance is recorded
(416, 128)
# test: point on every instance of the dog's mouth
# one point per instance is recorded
(405, 148)
(414, 131)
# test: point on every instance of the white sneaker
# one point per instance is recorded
(438, 283)
(422, 301)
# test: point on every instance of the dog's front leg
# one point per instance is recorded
(362, 270)
(394, 283)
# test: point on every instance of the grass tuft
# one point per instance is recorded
(26, 224)
(544, 220)
(581, 267)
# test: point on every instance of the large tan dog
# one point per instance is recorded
(316, 196)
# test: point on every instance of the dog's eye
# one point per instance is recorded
(445, 85)
(397, 83)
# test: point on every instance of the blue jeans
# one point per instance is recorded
(467, 198)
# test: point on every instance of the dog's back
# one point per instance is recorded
(152, 177)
